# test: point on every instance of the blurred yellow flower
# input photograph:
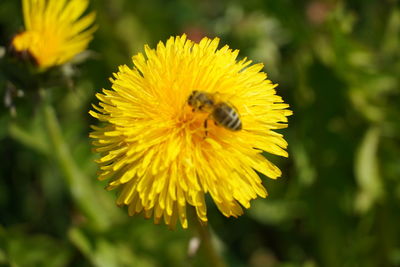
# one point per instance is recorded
(155, 148)
(55, 30)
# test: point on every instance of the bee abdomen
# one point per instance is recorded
(227, 117)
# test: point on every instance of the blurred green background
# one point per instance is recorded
(338, 203)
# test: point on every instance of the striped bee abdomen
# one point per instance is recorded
(226, 116)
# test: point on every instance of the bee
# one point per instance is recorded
(222, 113)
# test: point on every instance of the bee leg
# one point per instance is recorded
(205, 127)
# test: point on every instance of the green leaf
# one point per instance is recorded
(24, 249)
(367, 171)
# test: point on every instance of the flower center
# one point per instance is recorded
(193, 122)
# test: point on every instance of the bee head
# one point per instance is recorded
(192, 97)
(201, 101)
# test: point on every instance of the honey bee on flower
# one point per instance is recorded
(151, 143)
(222, 113)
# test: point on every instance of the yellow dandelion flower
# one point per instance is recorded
(155, 146)
(55, 30)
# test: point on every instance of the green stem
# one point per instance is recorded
(80, 187)
(207, 243)
(28, 139)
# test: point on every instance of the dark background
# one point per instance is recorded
(337, 203)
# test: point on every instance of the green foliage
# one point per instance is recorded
(337, 204)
